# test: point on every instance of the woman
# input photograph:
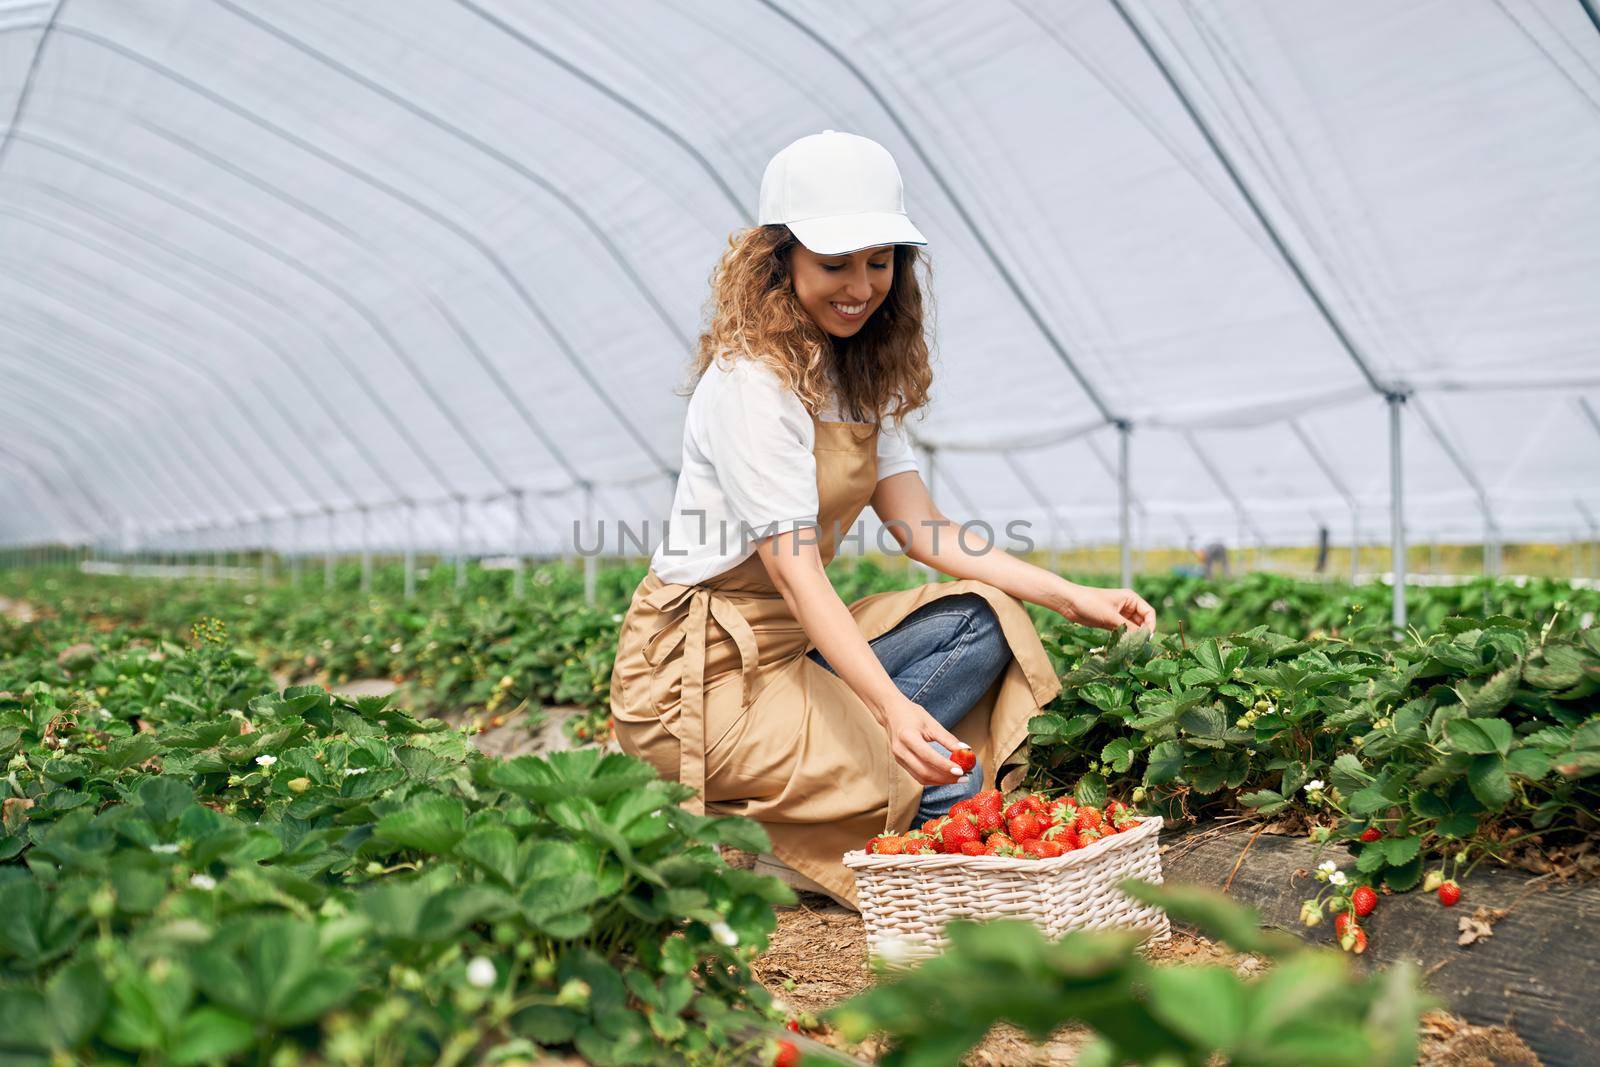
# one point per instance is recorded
(739, 670)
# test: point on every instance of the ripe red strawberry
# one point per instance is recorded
(919, 846)
(1001, 840)
(963, 807)
(793, 1026)
(1449, 893)
(1065, 835)
(1363, 900)
(887, 845)
(972, 848)
(1371, 834)
(956, 833)
(964, 758)
(1088, 819)
(1030, 802)
(1026, 826)
(933, 826)
(1042, 849)
(989, 800)
(1342, 923)
(1088, 835)
(787, 1055)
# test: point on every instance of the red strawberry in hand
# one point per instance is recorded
(1363, 900)
(964, 758)
(1449, 893)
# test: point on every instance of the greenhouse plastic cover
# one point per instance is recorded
(325, 270)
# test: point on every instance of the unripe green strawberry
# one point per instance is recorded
(1434, 880)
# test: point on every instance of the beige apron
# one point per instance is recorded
(713, 686)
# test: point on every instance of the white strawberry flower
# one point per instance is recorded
(1316, 785)
(203, 881)
(266, 761)
(724, 934)
(481, 972)
(164, 849)
(351, 772)
(1337, 878)
(1327, 866)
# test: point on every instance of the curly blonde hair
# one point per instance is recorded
(882, 372)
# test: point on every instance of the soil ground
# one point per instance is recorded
(818, 958)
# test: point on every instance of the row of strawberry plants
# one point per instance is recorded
(197, 875)
(193, 877)
(458, 650)
(1423, 753)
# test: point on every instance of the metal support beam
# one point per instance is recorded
(461, 544)
(590, 560)
(1594, 538)
(366, 549)
(1397, 523)
(327, 554)
(1491, 538)
(411, 549)
(1246, 522)
(519, 531)
(1124, 502)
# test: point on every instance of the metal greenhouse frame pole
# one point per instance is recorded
(328, 553)
(366, 548)
(461, 544)
(1124, 502)
(1397, 524)
(411, 549)
(1338, 484)
(1392, 395)
(590, 560)
(1594, 538)
(1246, 521)
(1491, 538)
(519, 529)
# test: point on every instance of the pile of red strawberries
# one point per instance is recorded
(1030, 827)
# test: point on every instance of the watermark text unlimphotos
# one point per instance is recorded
(974, 537)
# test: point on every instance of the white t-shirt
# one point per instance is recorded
(747, 458)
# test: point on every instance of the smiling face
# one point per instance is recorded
(840, 293)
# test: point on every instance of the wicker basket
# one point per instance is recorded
(908, 899)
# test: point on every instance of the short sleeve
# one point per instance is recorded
(895, 455)
(759, 439)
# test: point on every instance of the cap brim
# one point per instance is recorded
(839, 234)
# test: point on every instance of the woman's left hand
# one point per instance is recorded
(1110, 608)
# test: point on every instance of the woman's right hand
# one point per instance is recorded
(910, 729)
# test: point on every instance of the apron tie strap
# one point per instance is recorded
(702, 601)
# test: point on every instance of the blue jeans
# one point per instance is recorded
(945, 656)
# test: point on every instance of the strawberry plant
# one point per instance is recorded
(1460, 743)
(1307, 1008)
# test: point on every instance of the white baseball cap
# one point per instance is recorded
(837, 192)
